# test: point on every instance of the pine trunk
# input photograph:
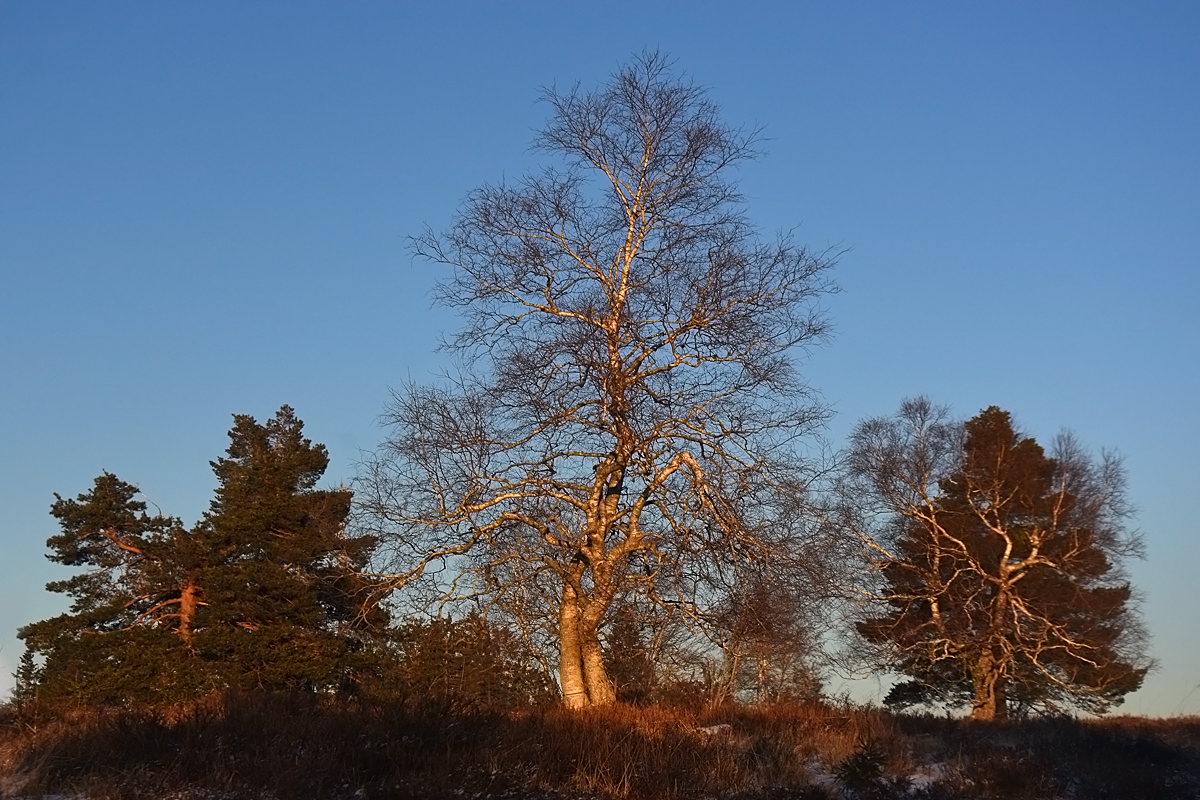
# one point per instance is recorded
(187, 613)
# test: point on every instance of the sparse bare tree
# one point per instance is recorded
(1001, 581)
(628, 416)
(765, 644)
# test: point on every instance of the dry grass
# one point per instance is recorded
(284, 747)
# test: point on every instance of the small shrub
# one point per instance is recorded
(862, 772)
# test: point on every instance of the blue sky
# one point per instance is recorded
(204, 210)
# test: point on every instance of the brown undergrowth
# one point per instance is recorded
(278, 747)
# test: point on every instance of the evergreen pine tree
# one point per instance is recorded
(124, 637)
(25, 686)
(284, 607)
(470, 659)
(627, 659)
(265, 592)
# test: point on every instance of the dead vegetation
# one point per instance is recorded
(280, 747)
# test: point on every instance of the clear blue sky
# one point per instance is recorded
(204, 211)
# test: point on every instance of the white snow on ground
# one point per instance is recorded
(819, 777)
(923, 777)
(926, 776)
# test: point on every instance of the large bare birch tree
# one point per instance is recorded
(627, 415)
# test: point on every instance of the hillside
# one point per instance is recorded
(282, 747)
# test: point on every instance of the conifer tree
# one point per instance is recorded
(125, 635)
(627, 658)
(284, 606)
(1002, 582)
(470, 659)
(263, 593)
(25, 681)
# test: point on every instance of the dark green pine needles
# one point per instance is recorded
(265, 592)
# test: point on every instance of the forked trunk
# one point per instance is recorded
(581, 671)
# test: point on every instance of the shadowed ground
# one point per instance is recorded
(285, 747)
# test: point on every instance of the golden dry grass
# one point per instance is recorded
(284, 747)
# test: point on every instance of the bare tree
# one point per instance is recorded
(765, 645)
(1000, 568)
(628, 410)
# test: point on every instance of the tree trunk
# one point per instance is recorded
(987, 680)
(581, 671)
(599, 686)
(187, 613)
(761, 691)
(570, 653)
